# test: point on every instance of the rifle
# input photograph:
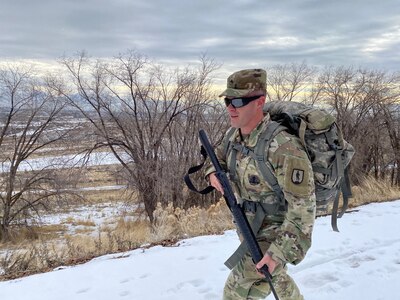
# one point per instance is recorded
(237, 211)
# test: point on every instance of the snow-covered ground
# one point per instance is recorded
(91, 217)
(362, 262)
(98, 213)
(64, 161)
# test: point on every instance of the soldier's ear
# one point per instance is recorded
(261, 101)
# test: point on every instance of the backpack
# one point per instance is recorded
(322, 139)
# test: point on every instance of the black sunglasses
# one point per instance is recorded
(240, 102)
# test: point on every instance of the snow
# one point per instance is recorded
(99, 213)
(64, 161)
(362, 262)
(82, 189)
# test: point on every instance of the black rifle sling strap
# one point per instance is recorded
(194, 170)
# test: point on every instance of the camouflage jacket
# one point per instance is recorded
(286, 235)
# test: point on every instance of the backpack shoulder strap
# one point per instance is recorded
(273, 129)
(227, 142)
(258, 154)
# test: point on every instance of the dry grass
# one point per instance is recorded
(175, 223)
(138, 231)
(100, 176)
(103, 175)
(371, 190)
(20, 235)
(79, 222)
(41, 256)
(100, 196)
(48, 230)
(83, 231)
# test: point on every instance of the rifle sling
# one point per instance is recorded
(194, 169)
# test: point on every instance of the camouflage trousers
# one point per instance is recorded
(244, 283)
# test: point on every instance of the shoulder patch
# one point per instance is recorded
(297, 176)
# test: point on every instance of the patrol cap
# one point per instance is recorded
(243, 83)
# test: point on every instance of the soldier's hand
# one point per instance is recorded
(266, 260)
(215, 183)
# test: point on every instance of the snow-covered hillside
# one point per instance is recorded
(362, 262)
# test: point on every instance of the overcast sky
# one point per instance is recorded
(237, 33)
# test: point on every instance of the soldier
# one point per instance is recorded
(285, 228)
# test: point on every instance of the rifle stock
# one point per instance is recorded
(236, 210)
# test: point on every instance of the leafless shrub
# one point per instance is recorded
(289, 82)
(30, 121)
(16, 262)
(359, 98)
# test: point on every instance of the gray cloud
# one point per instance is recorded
(236, 33)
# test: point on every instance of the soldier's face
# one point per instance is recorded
(247, 116)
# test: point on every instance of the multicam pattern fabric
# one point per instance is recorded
(244, 83)
(286, 235)
(244, 283)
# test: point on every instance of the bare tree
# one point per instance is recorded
(389, 108)
(146, 115)
(28, 125)
(288, 82)
(359, 97)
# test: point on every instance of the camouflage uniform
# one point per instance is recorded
(285, 235)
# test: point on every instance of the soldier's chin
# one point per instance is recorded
(234, 122)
